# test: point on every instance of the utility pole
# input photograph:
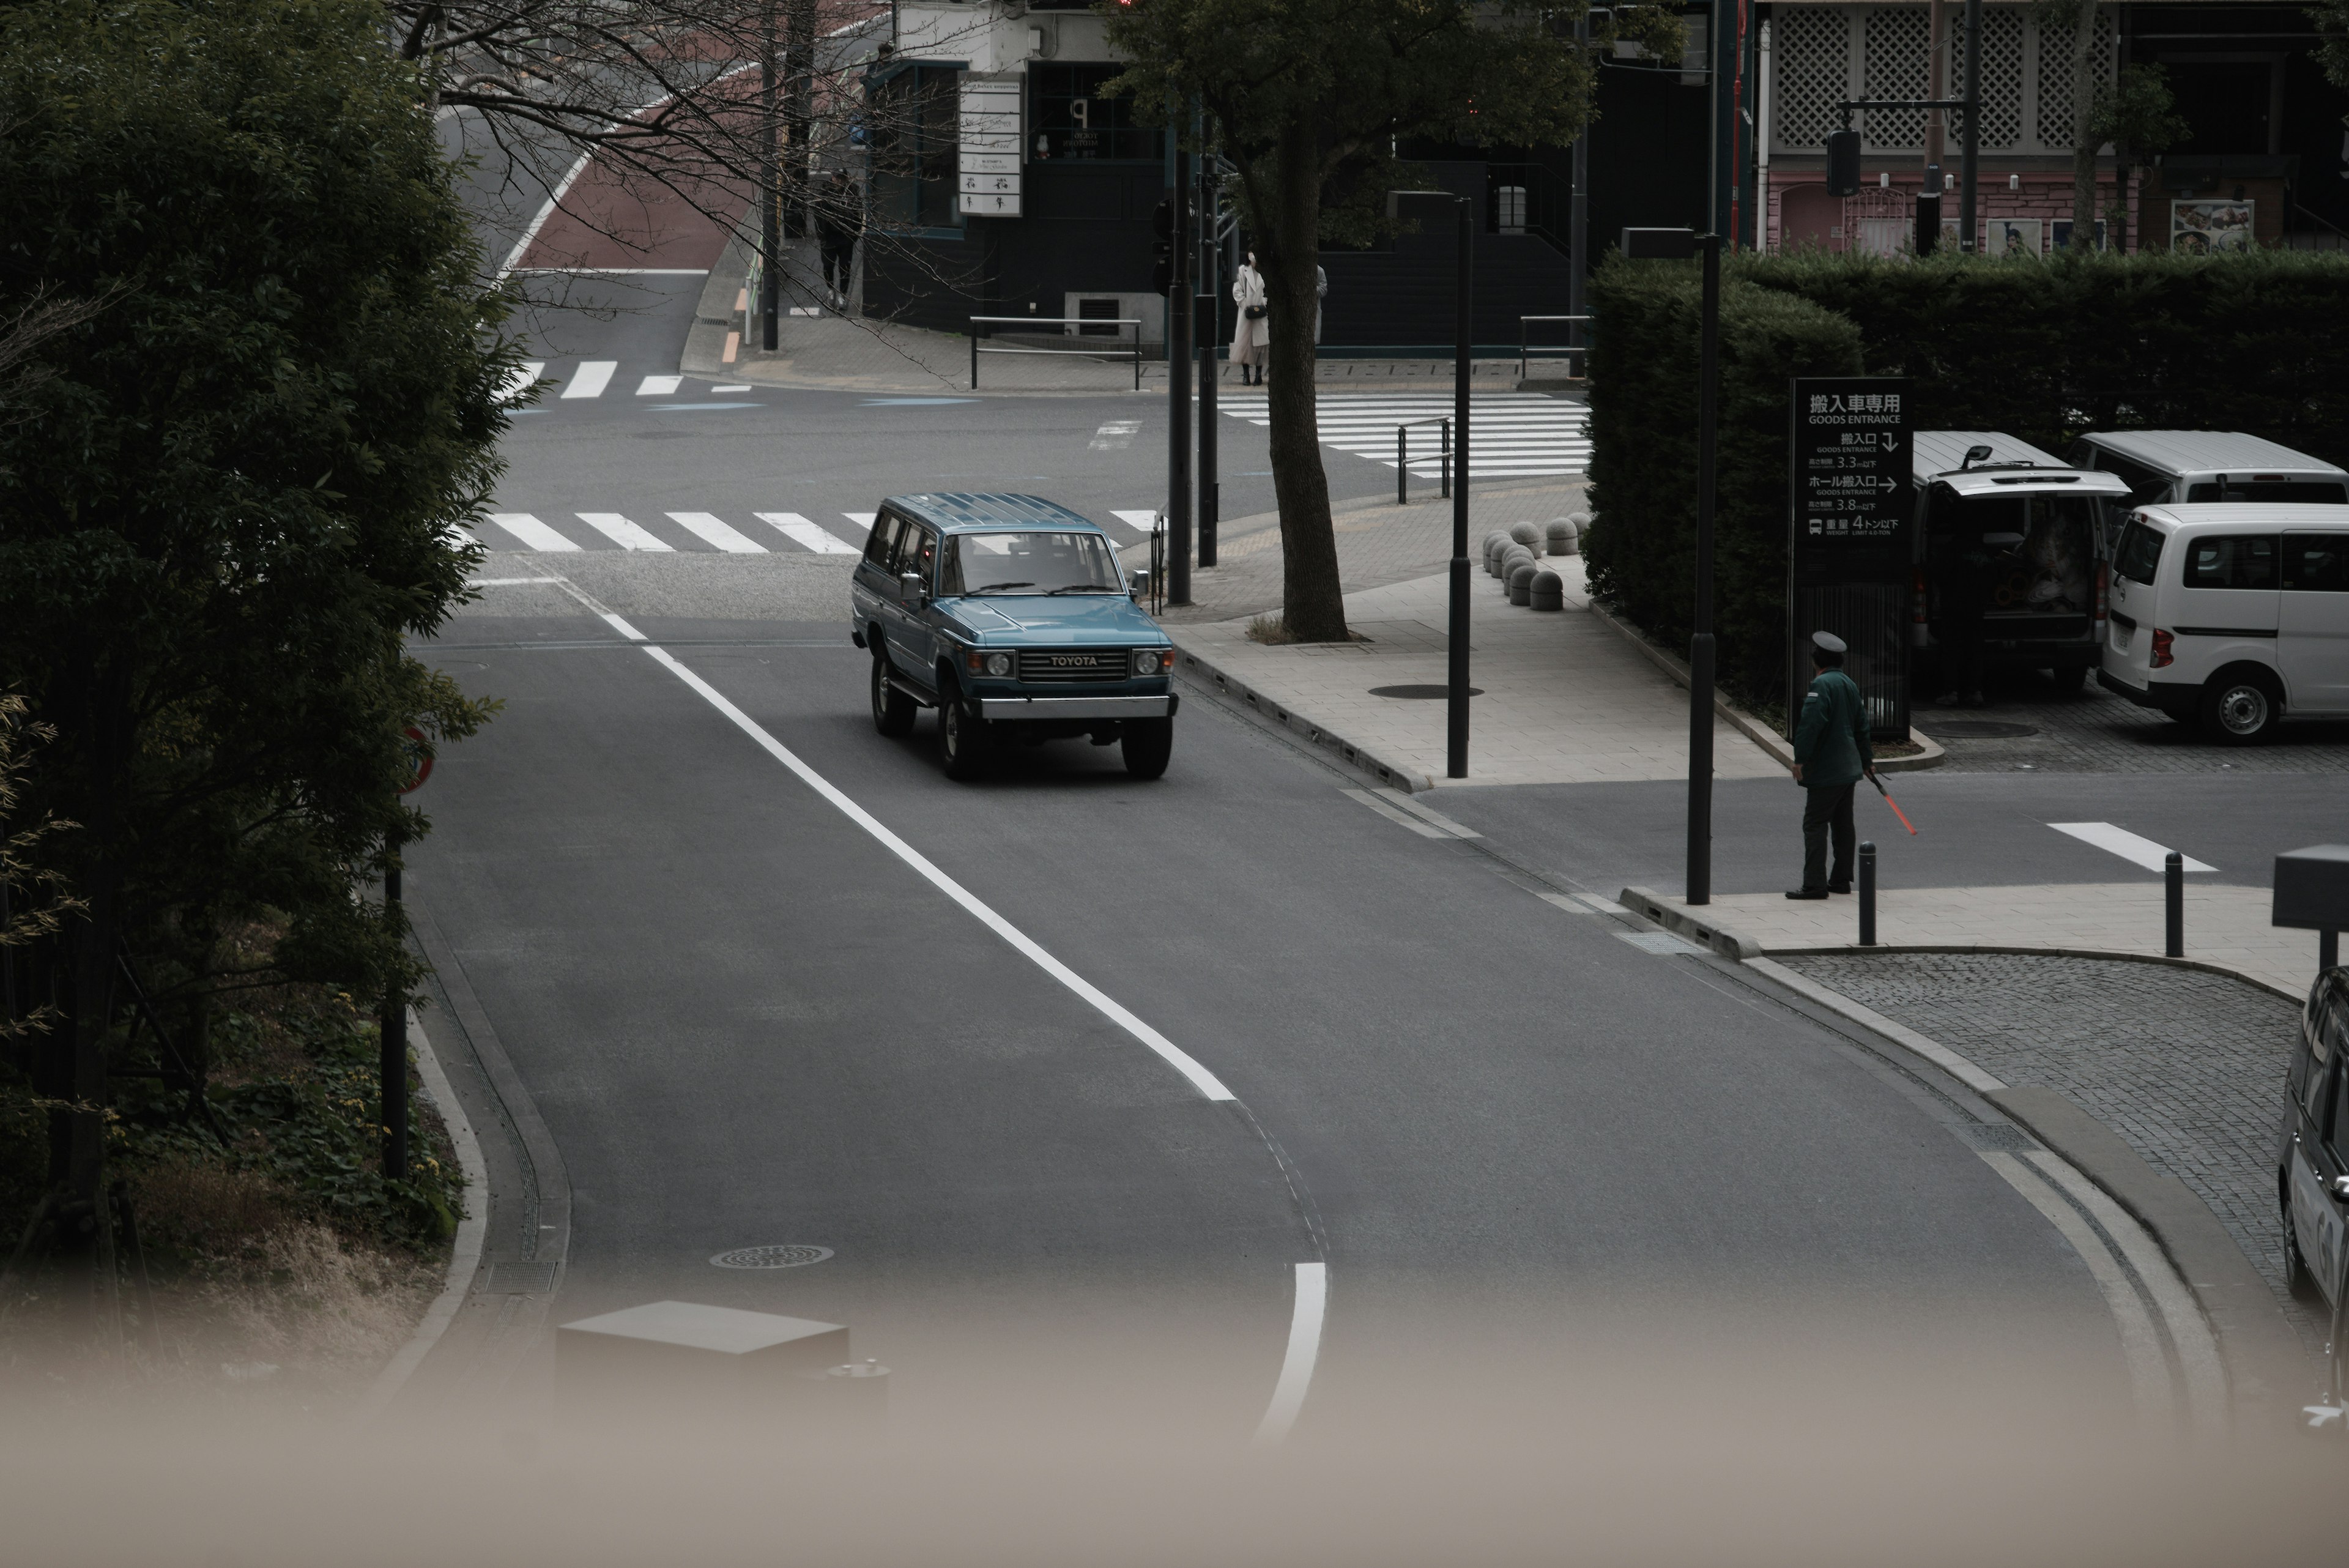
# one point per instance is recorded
(1721, 189)
(1178, 383)
(1969, 168)
(1701, 650)
(1206, 325)
(1455, 716)
(771, 237)
(800, 40)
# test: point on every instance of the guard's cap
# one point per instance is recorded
(1829, 641)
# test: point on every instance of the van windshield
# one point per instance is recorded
(2308, 491)
(2139, 554)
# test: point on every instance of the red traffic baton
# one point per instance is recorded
(1894, 804)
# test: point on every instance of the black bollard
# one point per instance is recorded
(2173, 891)
(1867, 893)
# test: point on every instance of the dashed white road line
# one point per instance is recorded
(799, 530)
(1116, 435)
(531, 531)
(590, 379)
(659, 386)
(705, 526)
(2129, 846)
(519, 380)
(627, 535)
(1131, 517)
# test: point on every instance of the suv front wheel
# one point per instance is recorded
(1147, 744)
(2241, 707)
(962, 739)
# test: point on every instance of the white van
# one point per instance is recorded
(2173, 467)
(2235, 615)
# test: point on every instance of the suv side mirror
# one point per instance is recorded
(910, 585)
(1141, 581)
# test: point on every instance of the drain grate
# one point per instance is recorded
(1422, 693)
(522, 1279)
(1975, 728)
(771, 1257)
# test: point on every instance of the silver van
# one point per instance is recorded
(2175, 467)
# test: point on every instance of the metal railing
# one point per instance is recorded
(1402, 458)
(1134, 349)
(1527, 349)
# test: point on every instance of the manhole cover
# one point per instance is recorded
(771, 1257)
(1422, 693)
(1977, 729)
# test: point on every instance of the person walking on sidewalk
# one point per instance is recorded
(1831, 757)
(839, 221)
(1250, 333)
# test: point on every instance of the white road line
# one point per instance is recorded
(862, 519)
(590, 379)
(627, 535)
(730, 389)
(520, 381)
(531, 531)
(1133, 518)
(1174, 1057)
(659, 386)
(1392, 814)
(710, 528)
(799, 529)
(1116, 435)
(1305, 1320)
(2128, 846)
(1512, 435)
(1428, 813)
(2141, 1341)
(507, 581)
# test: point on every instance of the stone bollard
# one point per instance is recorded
(1563, 535)
(1867, 893)
(1518, 556)
(1529, 534)
(1549, 591)
(1521, 582)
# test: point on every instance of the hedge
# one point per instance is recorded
(2043, 350)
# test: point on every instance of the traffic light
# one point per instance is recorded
(1843, 162)
(1161, 250)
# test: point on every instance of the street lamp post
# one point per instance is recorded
(1455, 735)
(770, 213)
(1178, 387)
(1970, 146)
(1699, 782)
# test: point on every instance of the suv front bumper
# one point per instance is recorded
(1017, 707)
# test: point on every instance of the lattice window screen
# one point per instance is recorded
(2056, 74)
(1894, 68)
(1810, 52)
(2001, 75)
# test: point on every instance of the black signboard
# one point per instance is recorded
(1850, 552)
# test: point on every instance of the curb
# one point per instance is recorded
(2206, 966)
(1240, 694)
(1754, 729)
(1722, 939)
(464, 1257)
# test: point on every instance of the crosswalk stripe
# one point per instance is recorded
(1145, 520)
(659, 386)
(862, 519)
(801, 531)
(518, 381)
(708, 527)
(531, 531)
(590, 379)
(623, 533)
(1512, 435)
(1116, 435)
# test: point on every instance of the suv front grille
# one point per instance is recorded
(1074, 666)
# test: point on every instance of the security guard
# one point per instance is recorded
(1831, 757)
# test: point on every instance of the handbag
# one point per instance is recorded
(1254, 313)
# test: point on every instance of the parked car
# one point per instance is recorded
(1012, 617)
(2312, 1162)
(2009, 563)
(2237, 615)
(2186, 467)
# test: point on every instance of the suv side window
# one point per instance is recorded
(2231, 561)
(2325, 1023)
(917, 551)
(2316, 563)
(881, 547)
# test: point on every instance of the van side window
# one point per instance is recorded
(2231, 561)
(881, 545)
(2316, 563)
(2139, 554)
(2269, 492)
(2147, 488)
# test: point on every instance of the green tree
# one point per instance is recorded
(2138, 115)
(1309, 99)
(2332, 19)
(227, 500)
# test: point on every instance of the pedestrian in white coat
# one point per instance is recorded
(1250, 333)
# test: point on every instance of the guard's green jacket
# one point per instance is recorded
(1831, 737)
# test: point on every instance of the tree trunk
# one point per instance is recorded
(1312, 604)
(2083, 145)
(2123, 166)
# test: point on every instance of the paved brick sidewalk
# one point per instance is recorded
(2227, 926)
(2187, 1066)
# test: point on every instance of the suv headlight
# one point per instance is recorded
(1153, 660)
(998, 664)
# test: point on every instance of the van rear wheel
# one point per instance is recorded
(2297, 1279)
(2241, 708)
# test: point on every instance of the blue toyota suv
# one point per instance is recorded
(1012, 617)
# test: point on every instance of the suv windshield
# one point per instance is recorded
(1060, 561)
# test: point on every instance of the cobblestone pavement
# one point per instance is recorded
(2092, 731)
(2186, 1068)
